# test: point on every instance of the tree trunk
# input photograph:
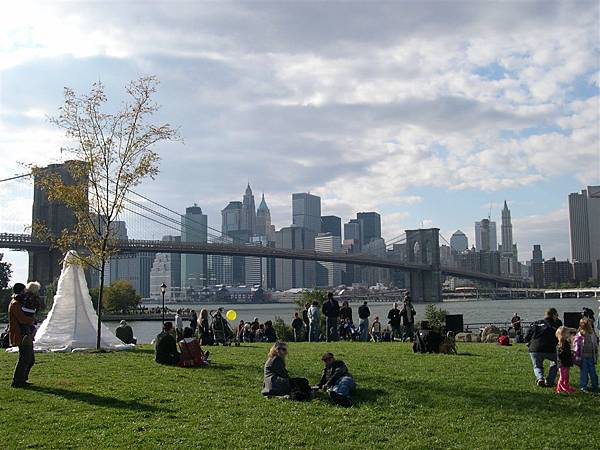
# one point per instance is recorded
(99, 334)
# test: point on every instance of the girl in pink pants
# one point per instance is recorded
(565, 360)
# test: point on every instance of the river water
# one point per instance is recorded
(472, 311)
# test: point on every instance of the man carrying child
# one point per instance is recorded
(21, 331)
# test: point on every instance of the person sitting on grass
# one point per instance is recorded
(165, 346)
(270, 335)
(376, 330)
(192, 354)
(277, 379)
(503, 339)
(336, 380)
(125, 333)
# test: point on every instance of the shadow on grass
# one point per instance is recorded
(486, 397)
(367, 395)
(96, 400)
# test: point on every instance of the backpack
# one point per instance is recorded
(300, 389)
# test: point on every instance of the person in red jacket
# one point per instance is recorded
(503, 339)
(18, 323)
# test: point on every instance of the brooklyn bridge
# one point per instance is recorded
(421, 260)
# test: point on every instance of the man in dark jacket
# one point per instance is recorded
(336, 380)
(542, 342)
(331, 311)
(408, 318)
(165, 347)
(305, 320)
(394, 318)
(363, 321)
(19, 329)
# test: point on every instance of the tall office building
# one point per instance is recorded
(508, 249)
(370, 226)
(537, 266)
(263, 221)
(166, 269)
(194, 268)
(306, 211)
(220, 267)
(584, 227)
(295, 273)
(248, 221)
(331, 224)
(231, 217)
(536, 254)
(352, 232)
(328, 273)
(485, 236)
(459, 241)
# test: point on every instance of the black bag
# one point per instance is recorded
(300, 389)
(5, 339)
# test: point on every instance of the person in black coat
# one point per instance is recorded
(269, 333)
(306, 320)
(394, 320)
(276, 377)
(541, 340)
(331, 311)
(165, 346)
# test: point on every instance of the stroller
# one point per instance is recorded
(221, 330)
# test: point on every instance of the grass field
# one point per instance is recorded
(483, 398)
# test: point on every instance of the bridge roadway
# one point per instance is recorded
(25, 242)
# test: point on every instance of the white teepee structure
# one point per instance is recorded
(72, 322)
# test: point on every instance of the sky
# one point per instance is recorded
(431, 113)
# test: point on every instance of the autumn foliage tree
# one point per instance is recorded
(109, 154)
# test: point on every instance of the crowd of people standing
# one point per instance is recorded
(339, 323)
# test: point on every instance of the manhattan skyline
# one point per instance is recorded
(425, 125)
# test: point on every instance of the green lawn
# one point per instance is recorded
(483, 398)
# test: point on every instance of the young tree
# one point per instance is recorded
(109, 154)
(121, 297)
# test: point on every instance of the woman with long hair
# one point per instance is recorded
(204, 333)
(277, 378)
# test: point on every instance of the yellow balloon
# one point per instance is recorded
(231, 314)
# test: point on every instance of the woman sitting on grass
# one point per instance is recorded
(192, 354)
(277, 378)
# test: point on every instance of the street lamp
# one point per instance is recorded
(163, 290)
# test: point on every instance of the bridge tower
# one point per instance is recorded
(44, 265)
(423, 247)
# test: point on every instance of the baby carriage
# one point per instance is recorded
(222, 332)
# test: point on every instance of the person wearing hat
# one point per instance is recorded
(336, 380)
(18, 323)
(125, 333)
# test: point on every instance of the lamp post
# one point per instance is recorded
(163, 290)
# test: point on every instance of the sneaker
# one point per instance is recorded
(585, 390)
(19, 385)
(541, 382)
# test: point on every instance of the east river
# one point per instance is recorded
(483, 311)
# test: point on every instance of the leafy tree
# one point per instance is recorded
(110, 153)
(5, 272)
(283, 330)
(436, 316)
(121, 297)
(320, 295)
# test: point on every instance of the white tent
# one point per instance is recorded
(72, 322)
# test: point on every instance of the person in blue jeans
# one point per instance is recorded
(541, 340)
(586, 354)
(363, 321)
(336, 380)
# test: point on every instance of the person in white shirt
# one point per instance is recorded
(179, 325)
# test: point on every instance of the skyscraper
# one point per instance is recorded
(194, 268)
(508, 250)
(306, 211)
(295, 273)
(231, 217)
(352, 232)
(584, 227)
(459, 241)
(331, 224)
(485, 235)
(248, 221)
(537, 256)
(263, 221)
(370, 226)
(328, 274)
(166, 269)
